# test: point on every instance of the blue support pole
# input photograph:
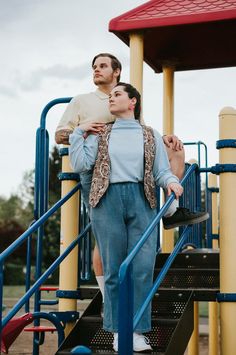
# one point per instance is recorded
(126, 306)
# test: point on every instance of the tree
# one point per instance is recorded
(17, 212)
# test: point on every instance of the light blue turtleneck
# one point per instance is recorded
(126, 150)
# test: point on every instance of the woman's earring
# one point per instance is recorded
(131, 107)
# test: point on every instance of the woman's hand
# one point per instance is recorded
(176, 188)
(92, 127)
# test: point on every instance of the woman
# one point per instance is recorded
(129, 160)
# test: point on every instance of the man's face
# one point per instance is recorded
(103, 74)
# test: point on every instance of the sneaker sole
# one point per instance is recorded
(146, 351)
(190, 222)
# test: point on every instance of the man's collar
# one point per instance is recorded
(101, 94)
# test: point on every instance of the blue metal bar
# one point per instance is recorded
(8, 251)
(198, 144)
(162, 274)
(209, 221)
(55, 321)
(62, 100)
(126, 309)
(37, 167)
(28, 269)
(46, 170)
(43, 277)
(158, 194)
(199, 153)
(1, 299)
(42, 173)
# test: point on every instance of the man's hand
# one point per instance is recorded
(173, 142)
(176, 188)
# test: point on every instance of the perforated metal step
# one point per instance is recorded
(166, 316)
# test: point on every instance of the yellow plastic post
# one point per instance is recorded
(168, 128)
(193, 345)
(227, 125)
(68, 279)
(136, 62)
(168, 99)
(213, 306)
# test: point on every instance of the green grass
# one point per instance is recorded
(19, 291)
(203, 309)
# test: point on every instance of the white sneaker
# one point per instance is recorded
(141, 343)
(115, 342)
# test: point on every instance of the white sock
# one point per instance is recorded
(172, 209)
(100, 281)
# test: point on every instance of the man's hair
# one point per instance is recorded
(115, 63)
(132, 92)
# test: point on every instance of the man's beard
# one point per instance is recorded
(102, 81)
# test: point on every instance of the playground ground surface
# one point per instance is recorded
(23, 345)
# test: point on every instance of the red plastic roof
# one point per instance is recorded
(191, 34)
(173, 12)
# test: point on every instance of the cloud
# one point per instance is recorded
(34, 80)
(8, 91)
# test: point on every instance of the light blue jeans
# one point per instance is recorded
(118, 222)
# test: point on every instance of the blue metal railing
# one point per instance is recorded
(192, 196)
(43, 277)
(27, 234)
(199, 144)
(126, 321)
(41, 193)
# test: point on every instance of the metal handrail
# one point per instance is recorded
(199, 143)
(126, 323)
(37, 224)
(8, 251)
(43, 277)
(50, 104)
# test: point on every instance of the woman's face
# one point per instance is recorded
(120, 104)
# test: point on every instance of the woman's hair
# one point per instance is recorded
(132, 92)
(115, 63)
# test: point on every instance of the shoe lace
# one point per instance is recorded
(147, 341)
(184, 210)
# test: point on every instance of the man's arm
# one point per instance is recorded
(62, 136)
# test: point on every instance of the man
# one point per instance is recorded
(93, 107)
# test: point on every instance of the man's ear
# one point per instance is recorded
(117, 72)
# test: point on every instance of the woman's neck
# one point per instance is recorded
(126, 115)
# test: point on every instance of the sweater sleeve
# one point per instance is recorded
(161, 167)
(82, 152)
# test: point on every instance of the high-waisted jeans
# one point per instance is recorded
(118, 222)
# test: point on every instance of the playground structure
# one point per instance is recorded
(182, 276)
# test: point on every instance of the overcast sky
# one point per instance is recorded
(46, 52)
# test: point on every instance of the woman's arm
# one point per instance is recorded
(82, 152)
(161, 168)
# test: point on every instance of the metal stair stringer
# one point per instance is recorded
(179, 307)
